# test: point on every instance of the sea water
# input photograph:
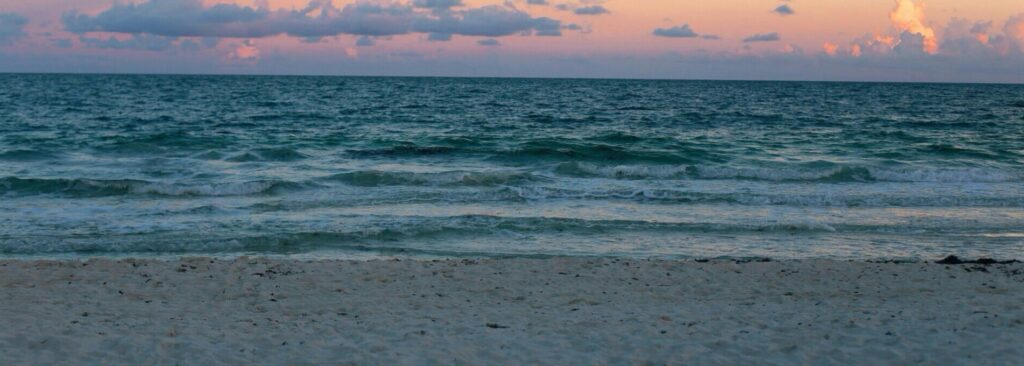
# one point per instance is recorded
(339, 166)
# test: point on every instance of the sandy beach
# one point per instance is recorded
(206, 311)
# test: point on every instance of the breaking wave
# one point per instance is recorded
(795, 174)
(374, 178)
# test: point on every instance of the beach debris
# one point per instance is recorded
(952, 259)
(752, 260)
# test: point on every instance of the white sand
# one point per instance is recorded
(557, 311)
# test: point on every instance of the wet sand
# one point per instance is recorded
(206, 311)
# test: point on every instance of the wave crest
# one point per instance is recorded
(98, 188)
(794, 174)
(375, 178)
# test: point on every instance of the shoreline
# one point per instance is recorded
(201, 310)
(371, 256)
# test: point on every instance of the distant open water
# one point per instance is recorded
(334, 166)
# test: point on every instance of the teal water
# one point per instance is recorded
(110, 165)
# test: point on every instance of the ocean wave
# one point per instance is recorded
(945, 149)
(608, 147)
(390, 228)
(836, 174)
(579, 169)
(26, 155)
(404, 150)
(160, 142)
(381, 229)
(375, 178)
(620, 137)
(962, 175)
(825, 199)
(99, 188)
(278, 154)
(794, 174)
(297, 235)
(290, 116)
(593, 151)
(542, 194)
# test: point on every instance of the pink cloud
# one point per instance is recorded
(909, 17)
(247, 51)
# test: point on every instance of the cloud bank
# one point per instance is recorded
(407, 37)
(190, 18)
(909, 17)
(913, 37)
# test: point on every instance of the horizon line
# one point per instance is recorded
(412, 76)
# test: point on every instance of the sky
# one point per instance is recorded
(858, 40)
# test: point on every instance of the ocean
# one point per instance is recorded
(374, 167)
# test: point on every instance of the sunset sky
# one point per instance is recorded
(883, 40)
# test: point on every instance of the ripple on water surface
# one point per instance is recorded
(435, 166)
